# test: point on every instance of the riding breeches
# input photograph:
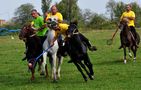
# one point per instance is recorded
(84, 39)
(133, 30)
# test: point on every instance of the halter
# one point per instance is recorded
(75, 30)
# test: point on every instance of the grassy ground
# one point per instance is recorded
(110, 72)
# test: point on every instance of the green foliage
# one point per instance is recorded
(45, 5)
(118, 10)
(23, 13)
(97, 21)
(69, 9)
(110, 8)
(137, 9)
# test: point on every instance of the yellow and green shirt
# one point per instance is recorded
(128, 14)
(37, 23)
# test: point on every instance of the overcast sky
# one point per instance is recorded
(8, 7)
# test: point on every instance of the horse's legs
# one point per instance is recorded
(60, 60)
(32, 77)
(124, 48)
(130, 54)
(44, 63)
(83, 66)
(79, 68)
(32, 71)
(134, 49)
(53, 68)
(89, 64)
(46, 71)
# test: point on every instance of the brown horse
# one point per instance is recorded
(128, 40)
(33, 46)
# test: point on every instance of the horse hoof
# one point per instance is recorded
(92, 78)
(42, 73)
(134, 59)
(85, 79)
(32, 78)
(55, 81)
(125, 61)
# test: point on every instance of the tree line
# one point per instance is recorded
(71, 11)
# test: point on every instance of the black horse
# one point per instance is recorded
(128, 39)
(77, 50)
(33, 46)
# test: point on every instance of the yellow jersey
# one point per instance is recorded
(58, 16)
(63, 29)
(128, 14)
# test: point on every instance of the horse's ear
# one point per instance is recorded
(74, 22)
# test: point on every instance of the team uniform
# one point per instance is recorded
(130, 22)
(58, 16)
(128, 14)
(38, 23)
(63, 29)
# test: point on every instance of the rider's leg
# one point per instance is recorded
(133, 30)
(87, 42)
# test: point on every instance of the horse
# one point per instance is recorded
(55, 58)
(128, 40)
(77, 50)
(33, 48)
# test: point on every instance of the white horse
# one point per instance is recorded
(55, 65)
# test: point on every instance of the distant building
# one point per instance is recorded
(2, 22)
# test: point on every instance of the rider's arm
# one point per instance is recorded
(131, 18)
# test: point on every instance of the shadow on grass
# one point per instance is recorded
(110, 62)
(14, 81)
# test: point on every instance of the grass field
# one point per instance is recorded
(110, 71)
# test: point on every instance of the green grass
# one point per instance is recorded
(110, 71)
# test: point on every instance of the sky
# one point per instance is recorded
(8, 7)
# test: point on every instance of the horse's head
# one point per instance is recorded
(72, 29)
(52, 23)
(123, 23)
(25, 32)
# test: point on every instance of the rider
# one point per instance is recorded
(55, 14)
(129, 17)
(61, 28)
(39, 27)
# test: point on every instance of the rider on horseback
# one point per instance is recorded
(39, 27)
(129, 17)
(61, 28)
